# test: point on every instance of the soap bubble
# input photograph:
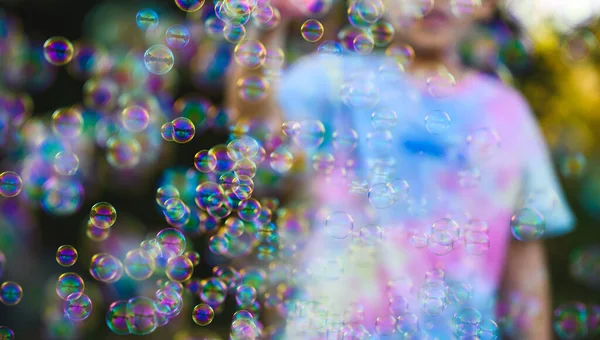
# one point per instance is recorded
(159, 59)
(467, 322)
(11, 184)
(339, 225)
(147, 19)
(177, 36)
(527, 225)
(58, 51)
(11, 293)
(78, 306)
(203, 314)
(66, 255)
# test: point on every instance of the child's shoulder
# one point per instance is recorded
(498, 91)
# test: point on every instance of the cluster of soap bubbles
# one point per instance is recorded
(575, 320)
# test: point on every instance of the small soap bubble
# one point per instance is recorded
(141, 313)
(483, 144)
(69, 283)
(189, 5)
(339, 225)
(183, 130)
(408, 323)
(135, 118)
(164, 193)
(467, 322)
(234, 33)
(177, 36)
(203, 314)
(66, 255)
(363, 44)
(214, 291)
(123, 151)
(11, 293)
(312, 30)
(77, 307)
(330, 48)
(179, 268)
(159, 59)
(384, 118)
(437, 122)
(441, 85)
(205, 161)
(381, 195)
(147, 19)
(171, 241)
(167, 131)
(66, 163)
(11, 184)
(383, 33)
(433, 298)
(6, 333)
(103, 215)
(252, 88)
(250, 54)
(527, 225)
(403, 54)
(281, 160)
(106, 268)
(139, 265)
(67, 122)
(58, 51)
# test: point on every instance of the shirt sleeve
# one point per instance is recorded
(541, 188)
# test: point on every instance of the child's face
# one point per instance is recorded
(443, 24)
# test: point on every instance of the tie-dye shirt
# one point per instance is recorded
(469, 158)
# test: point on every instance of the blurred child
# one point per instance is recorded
(453, 162)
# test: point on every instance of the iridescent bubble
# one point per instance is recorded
(281, 159)
(11, 293)
(441, 85)
(252, 88)
(249, 209)
(100, 94)
(437, 122)
(245, 295)
(459, 292)
(77, 307)
(103, 215)
(147, 19)
(408, 323)
(167, 131)
(345, 139)
(213, 292)
(227, 274)
(330, 48)
(67, 123)
(66, 163)
(250, 54)
(177, 36)
(225, 158)
(209, 194)
(339, 224)
(168, 302)
(164, 193)
(483, 144)
(383, 33)
(6, 333)
(135, 118)
(141, 315)
(139, 265)
(527, 225)
(179, 268)
(172, 242)
(384, 118)
(66, 255)
(467, 322)
(311, 134)
(175, 209)
(234, 33)
(312, 30)
(159, 59)
(218, 244)
(385, 325)
(244, 329)
(245, 168)
(106, 268)
(123, 152)
(381, 195)
(116, 317)
(69, 283)
(402, 54)
(570, 320)
(194, 256)
(433, 298)
(243, 186)
(183, 130)
(363, 44)
(205, 161)
(189, 5)
(489, 330)
(440, 242)
(203, 314)
(58, 51)
(11, 184)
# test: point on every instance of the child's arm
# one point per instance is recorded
(526, 274)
